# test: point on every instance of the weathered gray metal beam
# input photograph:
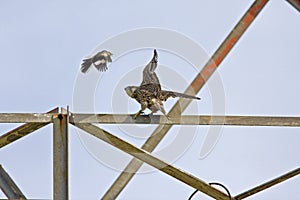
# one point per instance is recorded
(22, 131)
(268, 184)
(26, 117)
(41, 118)
(60, 158)
(9, 187)
(153, 161)
(187, 120)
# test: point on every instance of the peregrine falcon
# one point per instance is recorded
(149, 94)
(99, 60)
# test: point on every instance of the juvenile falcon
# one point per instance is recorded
(99, 60)
(149, 94)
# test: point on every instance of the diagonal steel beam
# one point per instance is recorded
(195, 86)
(22, 131)
(295, 3)
(9, 187)
(268, 184)
(153, 161)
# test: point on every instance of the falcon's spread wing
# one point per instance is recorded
(164, 95)
(149, 75)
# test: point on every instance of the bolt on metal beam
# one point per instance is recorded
(60, 158)
(195, 86)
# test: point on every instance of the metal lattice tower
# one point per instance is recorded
(62, 118)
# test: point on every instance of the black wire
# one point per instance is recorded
(219, 184)
(190, 198)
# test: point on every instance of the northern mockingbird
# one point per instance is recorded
(99, 60)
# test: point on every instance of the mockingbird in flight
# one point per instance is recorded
(99, 60)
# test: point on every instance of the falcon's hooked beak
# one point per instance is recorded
(130, 90)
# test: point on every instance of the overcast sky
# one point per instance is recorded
(42, 44)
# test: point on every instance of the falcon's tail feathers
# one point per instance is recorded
(181, 95)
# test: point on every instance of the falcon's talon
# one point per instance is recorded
(136, 115)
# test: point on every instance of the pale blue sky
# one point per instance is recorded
(43, 42)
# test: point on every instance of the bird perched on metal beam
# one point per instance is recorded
(149, 94)
(99, 60)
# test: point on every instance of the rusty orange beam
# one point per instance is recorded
(181, 105)
(228, 44)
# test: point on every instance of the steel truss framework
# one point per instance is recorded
(60, 119)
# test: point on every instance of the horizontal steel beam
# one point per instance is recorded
(187, 120)
(40, 118)
(22, 130)
(27, 117)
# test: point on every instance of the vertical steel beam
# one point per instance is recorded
(195, 86)
(60, 157)
(8, 187)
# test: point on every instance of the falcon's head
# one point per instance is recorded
(130, 90)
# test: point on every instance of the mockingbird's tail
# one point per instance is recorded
(86, 64)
